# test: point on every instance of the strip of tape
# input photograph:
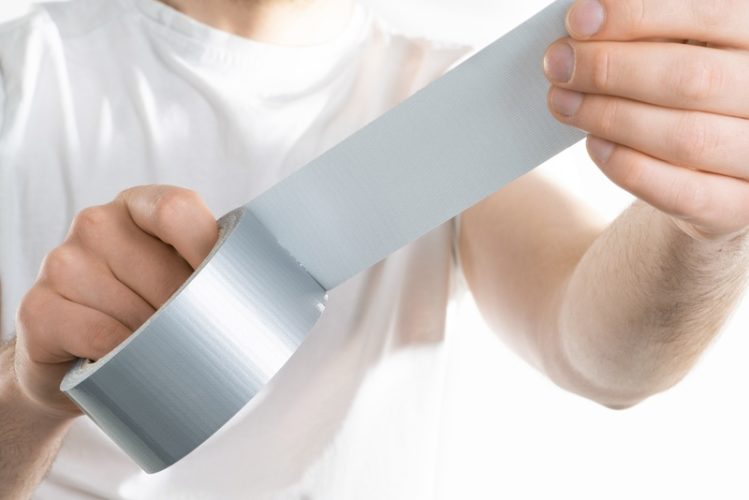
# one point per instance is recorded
(244, 312)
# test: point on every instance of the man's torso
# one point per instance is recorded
(101, 95)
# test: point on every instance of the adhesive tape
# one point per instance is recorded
(228, 330)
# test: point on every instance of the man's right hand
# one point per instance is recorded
(119, 263)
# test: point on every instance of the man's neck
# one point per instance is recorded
(282, 22)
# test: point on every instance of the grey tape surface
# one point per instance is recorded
(206, 352)
(244, 312)
(436, 154)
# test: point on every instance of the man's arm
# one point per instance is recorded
(644, 303)
(119, 263)
(618, 314)
(614, 314)
(29, 438)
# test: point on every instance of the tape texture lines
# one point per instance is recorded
(247, 308)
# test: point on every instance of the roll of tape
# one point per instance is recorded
(247, 308)
(206, 352)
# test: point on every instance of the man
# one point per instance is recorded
(227, 97)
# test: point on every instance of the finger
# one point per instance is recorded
(176, 216)
(57, 330)
(664, 74)
(149, 267)
(691, 139)
(721, 22)
(698, 198)
(86, 280)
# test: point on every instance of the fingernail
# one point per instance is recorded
(565, 102)
(600, 150)
(559, 62)
(585, 18)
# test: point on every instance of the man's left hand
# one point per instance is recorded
(663, 88)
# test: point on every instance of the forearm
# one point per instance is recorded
(641, 306)
(29, 439)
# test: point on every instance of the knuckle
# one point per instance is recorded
(32, 320)
(134, 191)
(171, 204)
(697, 81)
(632, 175)
(712, 13)
(601, 70)
(122, 195)
(61, 264)
(633, 15)
(692, 140)
(609, 116)
(89, 222)
(28, 311)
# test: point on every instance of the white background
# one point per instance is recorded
(510, 433)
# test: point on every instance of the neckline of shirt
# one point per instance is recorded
(275, 69)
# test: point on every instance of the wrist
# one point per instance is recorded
(23, 407)
(707, 236)
(29, 435)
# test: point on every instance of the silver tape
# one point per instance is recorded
(206, 352)
(244, 312)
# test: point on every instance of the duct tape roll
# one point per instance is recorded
(231, 327)
(206, 352)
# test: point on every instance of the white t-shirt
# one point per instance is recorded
(101, 95)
